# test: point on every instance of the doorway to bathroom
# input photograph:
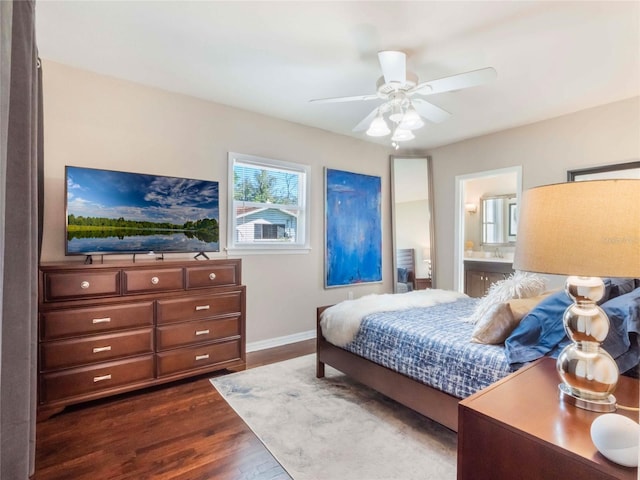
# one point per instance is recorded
(486, 218)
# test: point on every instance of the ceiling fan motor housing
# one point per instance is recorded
(385, 89)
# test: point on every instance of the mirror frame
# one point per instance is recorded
(508, 197)
(431, 211)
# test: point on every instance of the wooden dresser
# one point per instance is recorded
(115, 327)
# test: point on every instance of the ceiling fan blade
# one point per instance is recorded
(393, 65)
(456, 82)
(429, 110)
(366, 121)
(344, 99)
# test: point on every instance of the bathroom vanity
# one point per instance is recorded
(481, 273)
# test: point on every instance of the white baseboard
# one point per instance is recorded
(279, 341)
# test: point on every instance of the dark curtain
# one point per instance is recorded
(21, 168)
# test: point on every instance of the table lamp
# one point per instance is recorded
(585, 230)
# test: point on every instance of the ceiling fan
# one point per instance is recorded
(398, 88)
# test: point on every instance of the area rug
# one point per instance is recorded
(335, 428)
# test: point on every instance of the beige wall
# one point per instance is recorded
(97, 121)
(546, 150)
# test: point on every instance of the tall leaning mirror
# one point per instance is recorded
(412, 223)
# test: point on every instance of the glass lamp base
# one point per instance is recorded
(607, 405)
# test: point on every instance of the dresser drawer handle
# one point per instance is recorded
(155, 280)
(202, 307)
(102, 378)
(102, 349)
(101, 320)
(202, 332)
(202, 357)
(84, 285)
(212, 276)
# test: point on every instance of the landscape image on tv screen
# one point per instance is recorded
(120, 212)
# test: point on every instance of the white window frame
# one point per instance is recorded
(303, 236)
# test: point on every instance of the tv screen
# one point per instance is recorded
(111, 212)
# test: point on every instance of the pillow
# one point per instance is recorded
(502, 318)
(521, 306)
(540, 331)
(496, 325)
(629, 360)
(518, 285)
(624, 322)
(624, 318)
(403, 275)
(618, 286)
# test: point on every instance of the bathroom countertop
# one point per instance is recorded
(489, 259)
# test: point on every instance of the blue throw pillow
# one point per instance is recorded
(629, 360)
(614, 287)
(624, 318)
(403, 275)
(540, 331)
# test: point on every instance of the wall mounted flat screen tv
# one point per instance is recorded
(111, 212)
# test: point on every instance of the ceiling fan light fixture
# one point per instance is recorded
(378, 127)
(402, 135)
(411, 120)
(396, 114)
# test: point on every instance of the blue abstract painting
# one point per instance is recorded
(353, 228)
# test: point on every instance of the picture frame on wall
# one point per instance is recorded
(606, 172)
(353, 228)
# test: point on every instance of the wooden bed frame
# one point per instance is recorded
(428, 401)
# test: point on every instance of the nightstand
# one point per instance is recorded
(518, 428)
(423, 283)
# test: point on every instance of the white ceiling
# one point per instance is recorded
(552, 58)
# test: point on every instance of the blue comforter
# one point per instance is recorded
(432, 345)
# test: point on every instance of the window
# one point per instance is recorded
(266, 231)
(268, 208)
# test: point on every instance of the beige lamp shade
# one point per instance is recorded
(589, 228)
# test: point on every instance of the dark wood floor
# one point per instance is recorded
(181, 431)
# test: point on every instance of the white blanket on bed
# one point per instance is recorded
(341, 322)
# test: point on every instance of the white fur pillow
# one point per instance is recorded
(518, 285)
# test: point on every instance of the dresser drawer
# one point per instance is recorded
(192, 358)
(70, 285)
(212, 276)
(189, 333)
(86, 380)
(196, 308)
(152, 280)
(96, 348)
(85, 321)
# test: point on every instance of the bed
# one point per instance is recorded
(447, 366)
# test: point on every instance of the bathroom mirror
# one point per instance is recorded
(499, 216)
(412, 223)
